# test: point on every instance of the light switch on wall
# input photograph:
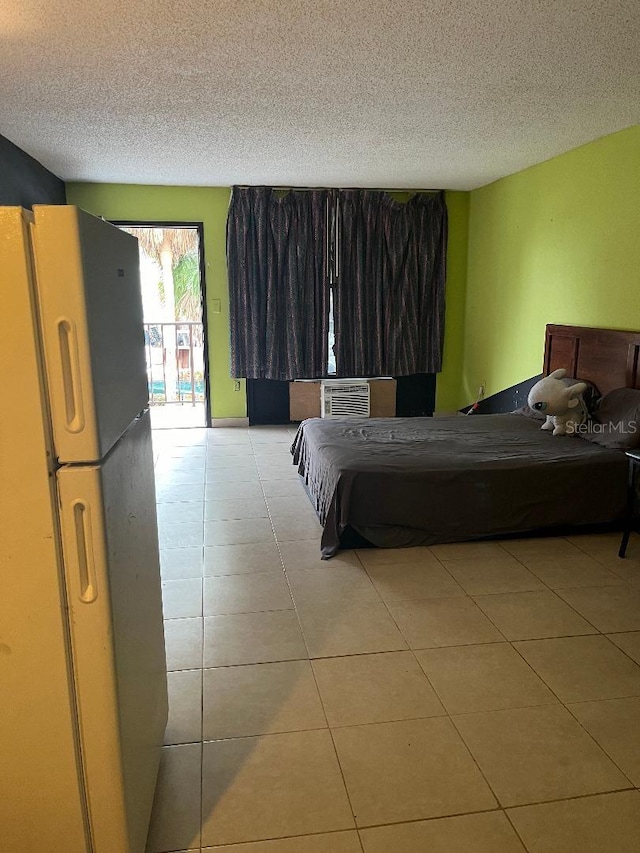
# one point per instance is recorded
(215, 306)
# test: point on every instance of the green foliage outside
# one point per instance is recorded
(186, 284)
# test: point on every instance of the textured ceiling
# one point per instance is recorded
(384, 93)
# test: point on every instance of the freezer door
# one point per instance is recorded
(112, 575)
(87, 275)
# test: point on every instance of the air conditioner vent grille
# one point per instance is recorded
(344, 400)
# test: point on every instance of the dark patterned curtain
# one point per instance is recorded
(278, 283)
(390, 283)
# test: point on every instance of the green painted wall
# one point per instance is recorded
(556, 243)
(209, 206)
(182, 204)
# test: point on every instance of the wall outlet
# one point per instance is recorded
(481, 390)
(236, 385)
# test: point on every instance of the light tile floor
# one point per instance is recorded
(466, 698)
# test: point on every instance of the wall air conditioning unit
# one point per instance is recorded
(346, 398)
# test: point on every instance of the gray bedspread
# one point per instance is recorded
(421, 481)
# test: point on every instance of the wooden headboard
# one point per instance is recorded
(607, 357)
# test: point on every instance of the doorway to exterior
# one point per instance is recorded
(175, 323)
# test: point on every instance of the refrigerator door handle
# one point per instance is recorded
(70, 370)
(85, 553)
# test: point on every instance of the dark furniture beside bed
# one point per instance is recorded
(634, 463)
(421, 481)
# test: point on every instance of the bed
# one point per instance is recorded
(421, 481)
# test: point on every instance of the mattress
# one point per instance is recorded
(421, 481)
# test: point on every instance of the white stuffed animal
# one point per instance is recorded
(561, 403)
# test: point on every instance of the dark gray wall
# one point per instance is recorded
(24, 181)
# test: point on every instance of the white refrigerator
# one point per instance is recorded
(83, 696)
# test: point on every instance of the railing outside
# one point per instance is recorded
(175, 362)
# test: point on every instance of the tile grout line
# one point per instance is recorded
(601, 748)
(202, 816)
(555, 592)
(515, 829)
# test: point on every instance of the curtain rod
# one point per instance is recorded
(310, 189)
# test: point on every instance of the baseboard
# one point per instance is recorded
(229, 422)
